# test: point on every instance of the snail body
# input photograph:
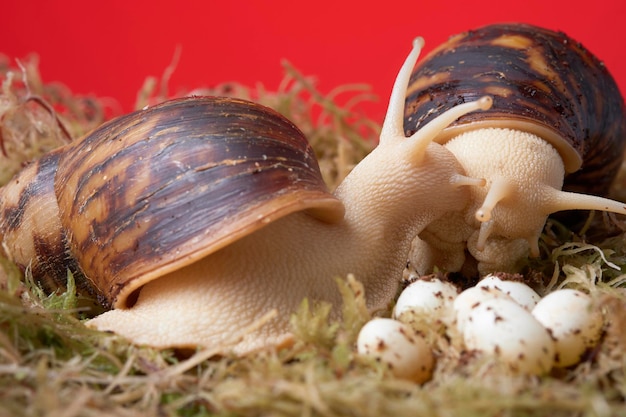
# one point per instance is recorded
(193, 218)
(557, 123)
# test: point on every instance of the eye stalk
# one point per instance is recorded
(500, 189)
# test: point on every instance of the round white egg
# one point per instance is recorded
(426, 300)
(405, 352)
(518, 291)
(572, 322)
(503, 328)
(465, 302)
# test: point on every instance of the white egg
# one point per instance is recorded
(574, 325)
(428, 301)
(518, 291)
(465, 302)
(503, 328)
(405, 352)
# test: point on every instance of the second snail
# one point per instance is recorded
(195, 217)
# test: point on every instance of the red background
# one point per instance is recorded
(108, 48)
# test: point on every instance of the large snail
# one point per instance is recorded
(195, 217)
(557, 120)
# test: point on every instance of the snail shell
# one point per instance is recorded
(542, 82)
(155, 190)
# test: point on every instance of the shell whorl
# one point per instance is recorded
(30, 230)
(542, 81)
(155, 190)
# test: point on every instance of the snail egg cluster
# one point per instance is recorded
(506, 319)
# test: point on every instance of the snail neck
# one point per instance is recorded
(404, 184)
(391, 194)
(389, 197)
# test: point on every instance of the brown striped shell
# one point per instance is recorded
(542, 81)
(155, 190)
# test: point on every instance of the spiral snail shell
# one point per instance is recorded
(557, 120)
(143, 173)
(195, 217)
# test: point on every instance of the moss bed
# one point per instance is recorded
(51, 365)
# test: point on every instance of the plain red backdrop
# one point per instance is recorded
(108, 48)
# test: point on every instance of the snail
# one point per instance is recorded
(194, 217)
(557, 123)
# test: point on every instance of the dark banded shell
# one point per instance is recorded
(30, 228)
(541, 81)
(158, 189)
